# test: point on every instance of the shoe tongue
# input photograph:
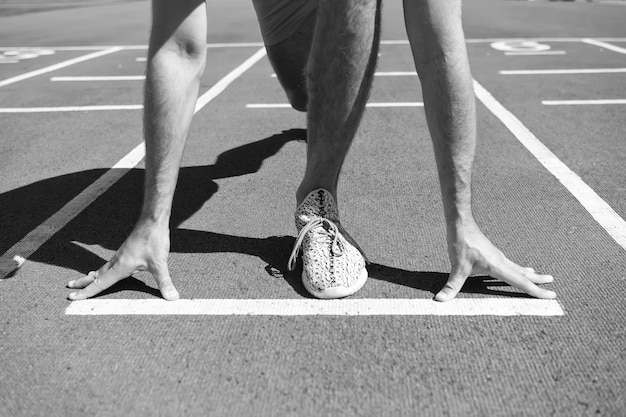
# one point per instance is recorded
(319, 203)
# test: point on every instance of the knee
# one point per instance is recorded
(298, 99)
(191, 49)
(183, 51)
(179, 31)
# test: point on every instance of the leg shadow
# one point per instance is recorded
(108, 220)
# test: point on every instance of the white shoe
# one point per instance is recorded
(333, 265)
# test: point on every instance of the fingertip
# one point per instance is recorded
(170, 294)
(443, 296)
(550, 295)
(73, 296)
(71, 284)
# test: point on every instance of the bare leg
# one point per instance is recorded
(438, 44)
(176, 60)
(340, 72)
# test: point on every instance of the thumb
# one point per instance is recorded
(457, 278)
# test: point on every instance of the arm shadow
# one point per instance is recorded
(106, 224)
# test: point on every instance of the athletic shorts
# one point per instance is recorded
(279, 19)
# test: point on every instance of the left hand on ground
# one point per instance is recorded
(472, 253)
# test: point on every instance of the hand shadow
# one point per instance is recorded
(275, 252)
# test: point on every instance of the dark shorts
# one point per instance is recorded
(279, 19)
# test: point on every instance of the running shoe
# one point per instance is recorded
(333, 266)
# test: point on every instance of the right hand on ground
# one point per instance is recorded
(146, 249)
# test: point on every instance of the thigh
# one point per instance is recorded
(290, 56)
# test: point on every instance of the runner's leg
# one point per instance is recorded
(176, 59)
(340, 73)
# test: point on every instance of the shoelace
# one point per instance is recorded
(333, 232)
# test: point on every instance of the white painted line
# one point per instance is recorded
(69, 108)
(128, 47)
(395, 73)
(141, 59)
(604, 45)
(564, 71)
(60, 65)
(101, 78)
(288, 106)
(395, 42)
(592, 202)
(307, 307)
(549, 40)
(43, 4)
(42, 233)
(582, 102)
(527, 53)
(229, 78)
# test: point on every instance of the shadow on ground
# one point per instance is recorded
(108, 220)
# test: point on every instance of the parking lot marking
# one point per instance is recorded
(592, 202)
(42, 233)
(530, 53)
(308, 307)
(60, 65)
(564, 71)
(101, 78)
(69, 108)
(582, 102)
(605, 45)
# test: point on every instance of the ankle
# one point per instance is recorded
(306, 187)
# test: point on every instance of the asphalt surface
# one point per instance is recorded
(232, 231)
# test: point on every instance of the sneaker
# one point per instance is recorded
(333, 264)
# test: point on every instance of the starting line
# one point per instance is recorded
(308, 307)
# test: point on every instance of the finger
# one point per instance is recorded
(100, 283)
(88, 279)
(541, 279)
(521, 282)
(455, 282)
(83, 281)
(164, 281)
(530, 273)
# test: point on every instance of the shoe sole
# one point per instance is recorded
(335, 292)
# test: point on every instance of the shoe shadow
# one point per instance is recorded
(433, 282)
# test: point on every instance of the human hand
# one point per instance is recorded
(146, 249)
(472, 253)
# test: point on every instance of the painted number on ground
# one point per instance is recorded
(14, 56)
(520, 46)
